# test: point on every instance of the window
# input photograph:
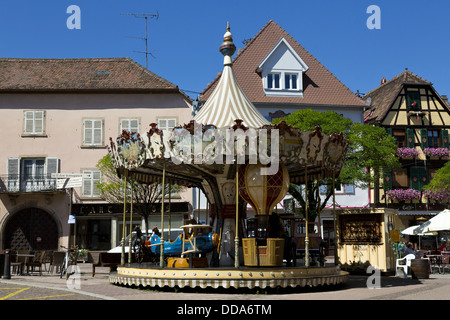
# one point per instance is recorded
(400, 138)
(33, 169)
(167, 123)
(273, 81)
(131, 125)
(339, 189)
(90, 188)
(31, 174)
(33, 122)
(93, 132)
(290, 81)
(433, 139)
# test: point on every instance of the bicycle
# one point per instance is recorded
(70, 260)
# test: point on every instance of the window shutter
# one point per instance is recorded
(413, 99)
(13, 172)
(387, 180)
(171, 123)
(389, 131)
(444, 134)
(39, 122)
(124, 125)
(96, 177)
(410, 138)
(98, 132)
(87, 132)
(131, 125)
(87, 185)
(423, 138)
(29, 119)
(418, 177)
(162, 124)
(134, 125)
(52, 166)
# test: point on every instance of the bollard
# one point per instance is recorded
(7, 271)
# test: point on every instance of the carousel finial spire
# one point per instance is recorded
(227, 48)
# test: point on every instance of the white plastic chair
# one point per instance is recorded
(406, 264)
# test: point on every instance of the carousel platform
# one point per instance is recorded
(151, 276)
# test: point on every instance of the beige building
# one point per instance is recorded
(56, 116)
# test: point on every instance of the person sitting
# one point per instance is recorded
(443, 246)
(409, 250)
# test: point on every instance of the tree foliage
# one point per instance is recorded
(112, 187)
(441, 179)
(371, 149)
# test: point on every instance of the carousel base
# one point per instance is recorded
(140, 275)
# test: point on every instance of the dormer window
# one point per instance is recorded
(282, 71)
(290, 81)
(273, 81)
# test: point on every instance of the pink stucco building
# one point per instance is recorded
(56, 116)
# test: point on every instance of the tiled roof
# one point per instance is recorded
(321, 87)
(384, 95)
(91, 74)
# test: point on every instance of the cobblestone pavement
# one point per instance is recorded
(85, 287)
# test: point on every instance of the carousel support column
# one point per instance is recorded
(236, 238)
(161, 258)
(122, 257)
(131, 224)
(306, 219)
(170, 215)
(335, 222)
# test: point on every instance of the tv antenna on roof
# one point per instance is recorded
(146, 17)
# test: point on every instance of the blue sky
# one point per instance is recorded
(184, 40)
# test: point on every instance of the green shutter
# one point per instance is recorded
(418, 177)
(387, 180)
(444, 134)
(423, 138)
(389, 131)
(410, 138)
(413, 100)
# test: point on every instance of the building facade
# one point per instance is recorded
(418, 118)
(56, 116)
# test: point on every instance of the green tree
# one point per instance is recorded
(144, 195)
(441, 179)
(371, 149)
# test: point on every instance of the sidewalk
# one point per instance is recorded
(437, 287)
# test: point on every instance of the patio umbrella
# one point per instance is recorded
(439, 222)
(414, 231)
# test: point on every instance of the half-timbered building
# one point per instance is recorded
(419, 119)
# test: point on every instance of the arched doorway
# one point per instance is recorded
(31, 229)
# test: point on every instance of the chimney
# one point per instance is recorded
(445, 98)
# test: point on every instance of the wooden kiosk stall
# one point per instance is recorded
(363, 237)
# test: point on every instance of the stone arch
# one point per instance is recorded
(31, 228)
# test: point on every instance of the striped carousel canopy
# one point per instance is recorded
(228, 102)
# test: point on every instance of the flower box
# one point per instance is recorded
(436, 153)
(407, 153)
(403, 194)
(440, 196)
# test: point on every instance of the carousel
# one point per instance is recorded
(237, 158)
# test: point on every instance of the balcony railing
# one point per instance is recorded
(18, 184)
